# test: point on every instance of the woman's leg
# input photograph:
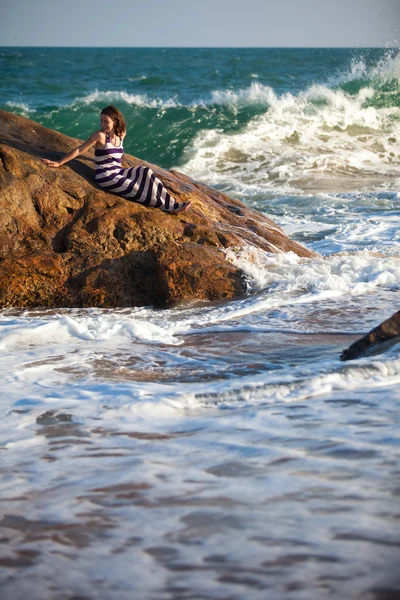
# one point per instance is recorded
(144, 187)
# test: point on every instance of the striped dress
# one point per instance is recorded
(138, 184)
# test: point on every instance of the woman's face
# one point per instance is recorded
(107, 124)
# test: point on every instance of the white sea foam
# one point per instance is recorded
(117, 96)
(380, 230)
(387, 69)
(20, 107)
(341, 274)
(69, 329)
(41, 379)
(321, 132)
(322, 138)
(280, 279)
(365, 376)
(256, 93)
(284, 279)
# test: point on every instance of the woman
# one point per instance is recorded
(138, 184)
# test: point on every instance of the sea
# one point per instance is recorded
(217, 451)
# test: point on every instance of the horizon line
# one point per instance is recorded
(208, 47)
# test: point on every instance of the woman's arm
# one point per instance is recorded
(98, 136)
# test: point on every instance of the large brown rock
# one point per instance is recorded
(66, 242)
(377, 340)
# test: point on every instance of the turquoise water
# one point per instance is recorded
(217, 451)
(169, 96)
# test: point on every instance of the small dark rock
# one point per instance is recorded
(377, 340)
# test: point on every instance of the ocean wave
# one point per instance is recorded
(116, 96)
(323, 137)
(300, 139)
(288, 276)
(385, 70)
(255, 93)
(325, 379)
(71, 329)
(372, 77)
(20, 108)
(329, 137)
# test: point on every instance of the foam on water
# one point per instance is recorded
(324, 379)
(51, 358)
(328, 135)
(256, 93)
(20, 107)
(386, 70)
(344, 274)
(279, 280)
(321, 132)
(67, 329)
(340, 132)
(46, 361)
(331, 223)
(114, 96)
(221, 450)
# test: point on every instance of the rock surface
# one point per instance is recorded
(66, 242)
(377, 340)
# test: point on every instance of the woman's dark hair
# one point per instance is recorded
(116, 116)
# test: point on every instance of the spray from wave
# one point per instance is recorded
(329, 138)
(337, 134)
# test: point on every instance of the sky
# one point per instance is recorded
(200, 23)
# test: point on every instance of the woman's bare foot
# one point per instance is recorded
(182, 208)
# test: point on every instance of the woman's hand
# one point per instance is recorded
(51, 163)
(98, 136)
